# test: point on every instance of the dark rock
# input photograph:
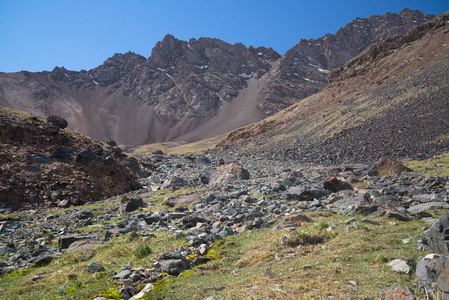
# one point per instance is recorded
(42, 260)
(386, 167)
(134, 204)
(334, 185)
(300, 193)
(85, 156)
(439, 235)
(57, 121)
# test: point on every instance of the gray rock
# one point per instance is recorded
(94, 267)
(393, 293)
(122, 275)
(174, 266)
(399, 265)
(428, 206)
(369, 221)
(439, 235)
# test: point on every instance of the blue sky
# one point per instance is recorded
(82, 34)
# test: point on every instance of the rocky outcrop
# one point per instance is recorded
(44, 165)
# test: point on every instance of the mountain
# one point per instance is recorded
(390, 101)
(192, 90)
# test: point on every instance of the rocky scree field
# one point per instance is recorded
(215, 225)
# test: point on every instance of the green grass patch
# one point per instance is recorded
(435, 166)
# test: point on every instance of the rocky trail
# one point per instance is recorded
(206, 198)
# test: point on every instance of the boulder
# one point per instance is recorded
(57, 121)
(334, 184)
(182, 200)
(432, 274)
(301, 193)
(294, 221)
(94, 267)
(397, 293)
(439, 235)
(428, 206)
(227, 172)
(386, 167)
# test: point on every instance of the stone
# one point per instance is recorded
(269, 273)
(175, 182)
(334, 185)
(148, 288)
(124, 274)
(134, 204)
(397, 293)
(94, 267)
(300, 193)
(57, 121)
(400, 266)
(294, 221)
(65, 241)
(369, 221)
(85, 244)
(186, 200)
(439, 235)
(227, 172)
(40, 261)
(386, 167)
(85, 156)
(427, 206)
(174, 266)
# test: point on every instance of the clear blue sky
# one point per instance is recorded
(38, 35)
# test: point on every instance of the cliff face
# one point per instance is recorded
(192, 90)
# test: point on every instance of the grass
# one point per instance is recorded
(310, 263)
(436, 166)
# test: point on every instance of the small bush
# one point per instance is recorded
(142, 250)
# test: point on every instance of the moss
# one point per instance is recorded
(16, 274)
(111, 293)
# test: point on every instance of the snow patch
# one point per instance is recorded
(244, 75)
(68, 75)
(202, 67)
(260, 53)
(93, 79)
(162, 70)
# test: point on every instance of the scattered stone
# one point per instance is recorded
(148, 288)
(94, 267)
(227, 172)
(439, 235)
(294, 221)
(395, 293)
(186, 200)
(387, 167)
(334, 185)
(370, 221)
(399, 265)
(269, 273)
(428, 206)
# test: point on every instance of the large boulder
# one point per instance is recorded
(227, 172)
(386, 167)
(439, 235)
(334, 184)
(432, 274)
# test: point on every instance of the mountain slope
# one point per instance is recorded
(389, 101)
(191, 90)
